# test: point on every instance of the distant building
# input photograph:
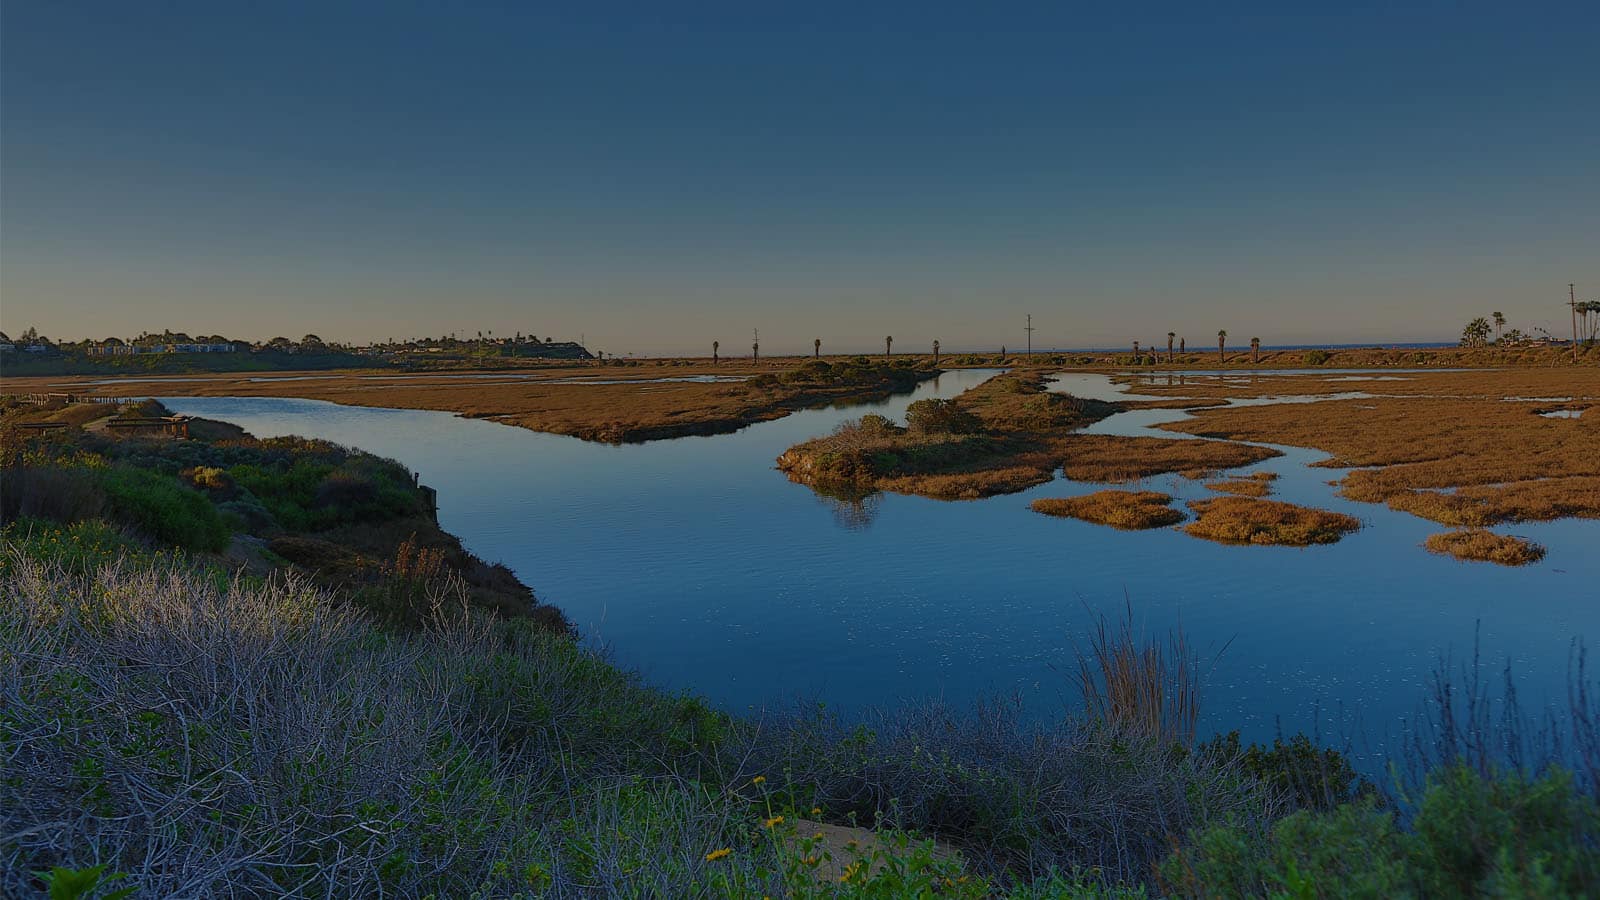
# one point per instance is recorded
(108, 348)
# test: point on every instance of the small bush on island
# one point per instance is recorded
(1244, 520)
(938, 416)
(1120, 509)
(1480, 545)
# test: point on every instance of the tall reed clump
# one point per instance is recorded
(1107, 787)
(1140, 686)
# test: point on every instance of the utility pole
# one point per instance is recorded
(1572, 301)
(1029, 330)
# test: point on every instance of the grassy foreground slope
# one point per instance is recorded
(209, 735)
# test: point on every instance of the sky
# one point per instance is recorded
(655, 177)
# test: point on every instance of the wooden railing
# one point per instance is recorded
(47, 399)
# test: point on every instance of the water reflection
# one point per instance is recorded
(852, 510)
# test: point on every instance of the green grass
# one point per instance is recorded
(159, 506)
(79, 548)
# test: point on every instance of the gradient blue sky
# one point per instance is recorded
(654, 178)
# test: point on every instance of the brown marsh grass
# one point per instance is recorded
(1485, 546)
(1503, 461)
(1130, 510)
(1244, 520)
(1256, 485)
(1112, 458)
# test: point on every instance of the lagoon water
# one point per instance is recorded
(696, 562)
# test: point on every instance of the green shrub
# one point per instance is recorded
(310, 494)
(160, 507)
(1472, 836)
(210, 478)
(1316, 357)
(1356, 847)
(1506, 836)
(1309, 776)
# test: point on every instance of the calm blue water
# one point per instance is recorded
(695, 561)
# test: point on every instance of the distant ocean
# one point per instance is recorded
(1201, 347)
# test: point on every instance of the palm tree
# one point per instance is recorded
(1587, 329)
(1255, 350)
(1476, 334)
(715, 346)
(1183, 343)
(888, 346)
(1499, 324)
(936, 351)
(816, 348)
(1222, 342)
(1170, 336)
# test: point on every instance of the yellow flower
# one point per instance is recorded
(816, 810)
(850, 871)
(715, 855)
(775, 820)
(759, 779)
